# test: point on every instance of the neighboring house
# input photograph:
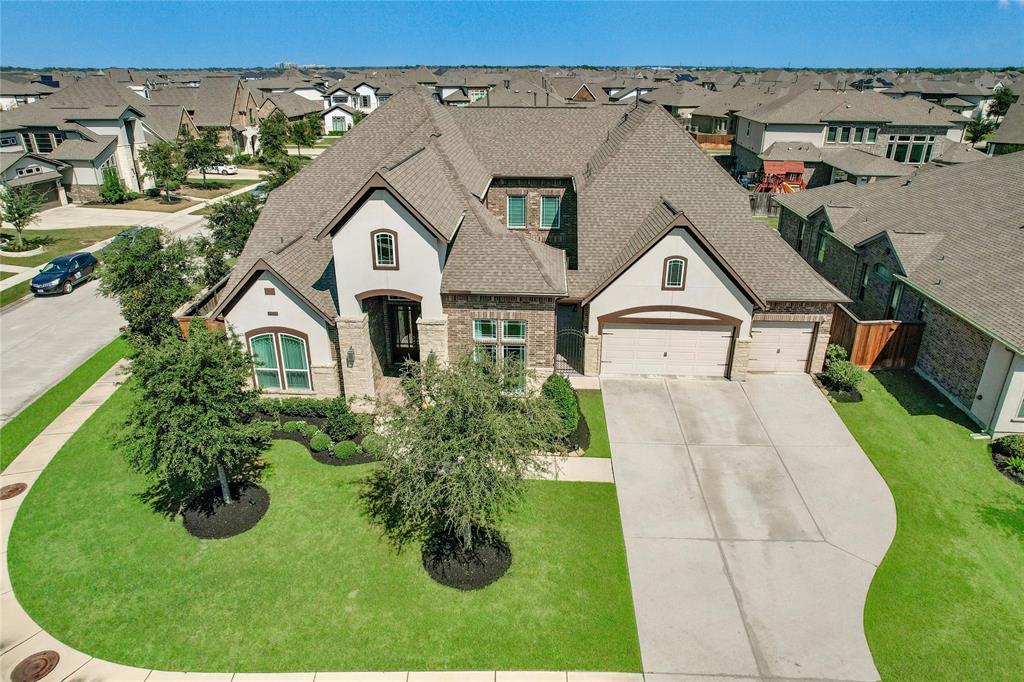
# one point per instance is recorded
(13, 94)
(217, 102)
(42, 175)
(339, 118)
(716, 113)
(679, 100)
(291, 105)
(439, 231)
(908, 131)
(944, 246)
(576, 89)
(1009, 136)
(90, 126)
(966, 98)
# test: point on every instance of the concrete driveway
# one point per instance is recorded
(753, 524)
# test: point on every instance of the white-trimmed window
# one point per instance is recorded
(844, 135)
(485, 330)
(9, 141)
(819, 249)
(29, 170)
(910, 148)
(511, 344)
(385, 250)
(513, 330)
(280, 360)
(516, 210)
(833, 134)
(550, 213)
(364, 101)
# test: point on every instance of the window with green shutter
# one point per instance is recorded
(296, 369)
(517, 211)
(550, 215)
(264, 361)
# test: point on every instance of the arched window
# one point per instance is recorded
(280, 359)
(673, 274)
(385, 249)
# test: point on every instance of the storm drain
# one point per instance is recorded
(35, 667)
(12, 490)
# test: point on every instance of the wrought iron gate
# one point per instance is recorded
(569, 349)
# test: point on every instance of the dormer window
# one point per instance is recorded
(674, 273)
(550, 213)
(385, 249)
(516, 211)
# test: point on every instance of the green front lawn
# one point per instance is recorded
(60, 242)
(215, 186)
(30, 422)
(946, 601)
(14, 293)
(592, 407)
(4, 275)
(313, 586)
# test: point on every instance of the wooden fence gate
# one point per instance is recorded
(876, 344)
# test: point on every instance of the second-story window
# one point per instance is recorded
(674, 275)
(550, 213)
(517, 211)
(385, 250)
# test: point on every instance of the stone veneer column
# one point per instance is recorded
(740, 360)
(592, 355)
(354, 332)
(433, 336)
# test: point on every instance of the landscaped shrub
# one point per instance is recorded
(112, 191)
(1010, 446)
(373, 445)
(310, 430)
(293, 427)
(153, 192)
(843, 375)
(306, 408)
(557, 389)
(345, 449)
(341, 423)
(1016, 463)
(835, 353)
(242, 158)
(319, 441)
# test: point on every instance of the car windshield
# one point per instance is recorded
(53, 268)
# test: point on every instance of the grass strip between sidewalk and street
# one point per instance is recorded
(16, 434)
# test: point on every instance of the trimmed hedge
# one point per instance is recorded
(345, 449)
(558, 390)
(340, 424)
(843, 375)
(319, 441)
(373, 444)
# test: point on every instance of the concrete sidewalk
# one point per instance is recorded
(753, 525)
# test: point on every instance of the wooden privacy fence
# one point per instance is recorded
(876, 344)
(763, 203)
(712, 139)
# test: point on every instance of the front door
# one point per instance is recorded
(405, 343)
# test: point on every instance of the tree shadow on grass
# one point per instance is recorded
(169, 497)
(1007, 517)
(919, 398)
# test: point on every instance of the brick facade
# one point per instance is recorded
(539, 313)
(952, 354)
(533, 189)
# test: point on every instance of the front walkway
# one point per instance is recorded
(753, 525)
(21, 639)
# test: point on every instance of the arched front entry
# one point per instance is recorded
(671, 340)
(393, 318)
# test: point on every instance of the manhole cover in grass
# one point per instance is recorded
(12, 490)
(35, 667)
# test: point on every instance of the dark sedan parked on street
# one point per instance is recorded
(63, 273)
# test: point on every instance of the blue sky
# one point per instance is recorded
(766, 33)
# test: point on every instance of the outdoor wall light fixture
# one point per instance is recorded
(350, 357)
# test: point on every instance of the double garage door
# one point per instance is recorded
(689, 350)
(702, 350)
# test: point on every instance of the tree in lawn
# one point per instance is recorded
(20, 207)
(306, 131)
(192, 423)
(1001, 101)
(282, 168)
(165, 163)
(458, 451)
(273, 135)
(203, 152)
(978, 127)
(229, 225)
(149, 279)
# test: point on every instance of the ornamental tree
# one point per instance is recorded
(458, 450)
(273, 135)
(165, 163)
(282, 168)
(1002, 98)
(20, 207)
(978, 127)
(204, 152)
(306, 131)
(150, 280)
(193, 421)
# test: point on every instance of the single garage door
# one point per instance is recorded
(690, 350)
(780, 346)
(49, 194)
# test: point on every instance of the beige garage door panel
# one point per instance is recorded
(695, 350)
(780, 346)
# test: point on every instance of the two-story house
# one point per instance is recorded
(909, 132)
(435, 230)
(943, 246)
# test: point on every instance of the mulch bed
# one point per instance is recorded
(208, 517)
(449, 564)
(327, 457)
(1001, 462)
